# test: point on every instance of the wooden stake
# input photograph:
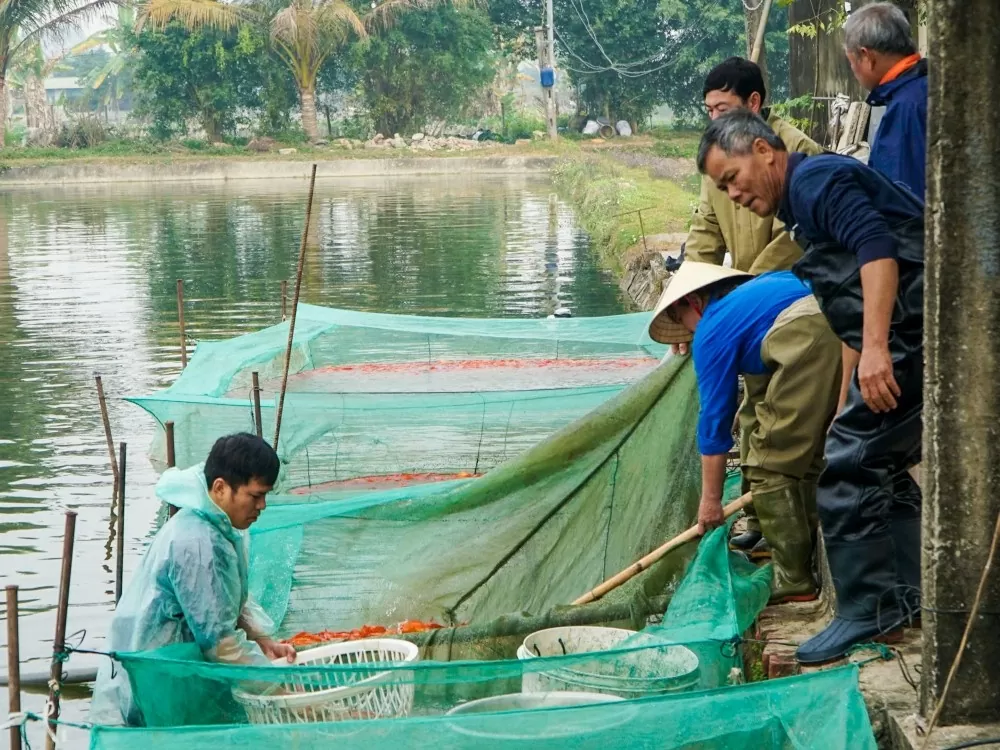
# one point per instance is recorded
(168, 426)
(59, 643)
(180, 320)
(107, 432)
(758, 42)
(13, 665)
(256, 404)
(284, 298)
(295, 308)
(120, 536)
(657, 554)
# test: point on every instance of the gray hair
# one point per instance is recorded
(735, 132)
(880, 27)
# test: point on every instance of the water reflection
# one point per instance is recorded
(87, 283)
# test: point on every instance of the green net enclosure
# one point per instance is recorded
(376, 401)
(821, 711)
(497, 560)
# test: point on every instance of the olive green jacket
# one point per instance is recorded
(756, 244)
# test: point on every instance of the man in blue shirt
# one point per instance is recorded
(770, 330)
(884, 59)
(863, 238)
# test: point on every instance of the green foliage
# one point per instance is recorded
(594, 34)
(675, 143)
(431, 63)
(709, 32)
(790, 108)
(83, 132)
(208, 75)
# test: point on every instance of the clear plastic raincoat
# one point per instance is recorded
(190, 587)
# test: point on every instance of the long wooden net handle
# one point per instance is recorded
(657, 554)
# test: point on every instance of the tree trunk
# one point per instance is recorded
(212, 126)
(308, 102)
(36, 105)
(4, 107)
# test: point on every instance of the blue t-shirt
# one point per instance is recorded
(727, 344)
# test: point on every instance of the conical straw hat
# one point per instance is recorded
(690, 277)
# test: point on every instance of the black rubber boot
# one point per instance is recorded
(761, 550)
(745, 542)
(783, 518)
(864, 575)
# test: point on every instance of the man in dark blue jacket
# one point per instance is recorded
(863, 238)
(885, 61)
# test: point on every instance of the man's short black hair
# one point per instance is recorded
(237, 459)
(740, 76)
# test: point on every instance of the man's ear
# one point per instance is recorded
(754, 102)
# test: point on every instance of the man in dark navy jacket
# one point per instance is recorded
(885, 61)
(863, 238)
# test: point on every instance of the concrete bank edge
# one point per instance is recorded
(221, 170)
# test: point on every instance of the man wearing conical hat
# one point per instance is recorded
(770, 330)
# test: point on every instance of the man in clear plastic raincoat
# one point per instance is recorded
(192, 584)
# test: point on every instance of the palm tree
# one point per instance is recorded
(304, 33)
(25, 22)
(27, 71)
(116, 39)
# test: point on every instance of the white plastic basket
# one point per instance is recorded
(651, 671)
(372, 693)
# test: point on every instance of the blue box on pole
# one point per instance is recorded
(548, 77)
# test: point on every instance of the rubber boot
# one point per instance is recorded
(761, 550)
(745, 542)
(906, 538)
(807, 490)
(864, 576)
(783, 519)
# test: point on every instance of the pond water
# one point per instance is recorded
(88, 282)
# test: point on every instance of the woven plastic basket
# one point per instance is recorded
(374, 693)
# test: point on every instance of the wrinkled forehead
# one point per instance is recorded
(719, 164)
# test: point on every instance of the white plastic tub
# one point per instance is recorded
(651, 671)
(535, 723)
(335, 696)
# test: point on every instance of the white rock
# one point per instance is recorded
(417, 137)
(287, 151)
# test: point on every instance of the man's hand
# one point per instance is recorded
(274, 650)
(679, 348)
(878, 383)
(710, 515)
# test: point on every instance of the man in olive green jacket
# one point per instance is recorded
(755, 244)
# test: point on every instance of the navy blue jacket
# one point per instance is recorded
(899, 148)
(845, 215)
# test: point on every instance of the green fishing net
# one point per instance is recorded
(497, 560)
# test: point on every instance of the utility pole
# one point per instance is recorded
(550, 61)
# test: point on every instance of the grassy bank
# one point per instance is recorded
(607, 194)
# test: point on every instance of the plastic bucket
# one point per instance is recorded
(536, 723)
(652, 671)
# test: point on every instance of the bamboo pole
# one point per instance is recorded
(168, 427)
(107, 431)
(256, 404)
(59, 643)
(180, 321)
(120, 535)
(758, 42)
(13, 665)
(656, 555)
(295, 307)
(284, 298)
